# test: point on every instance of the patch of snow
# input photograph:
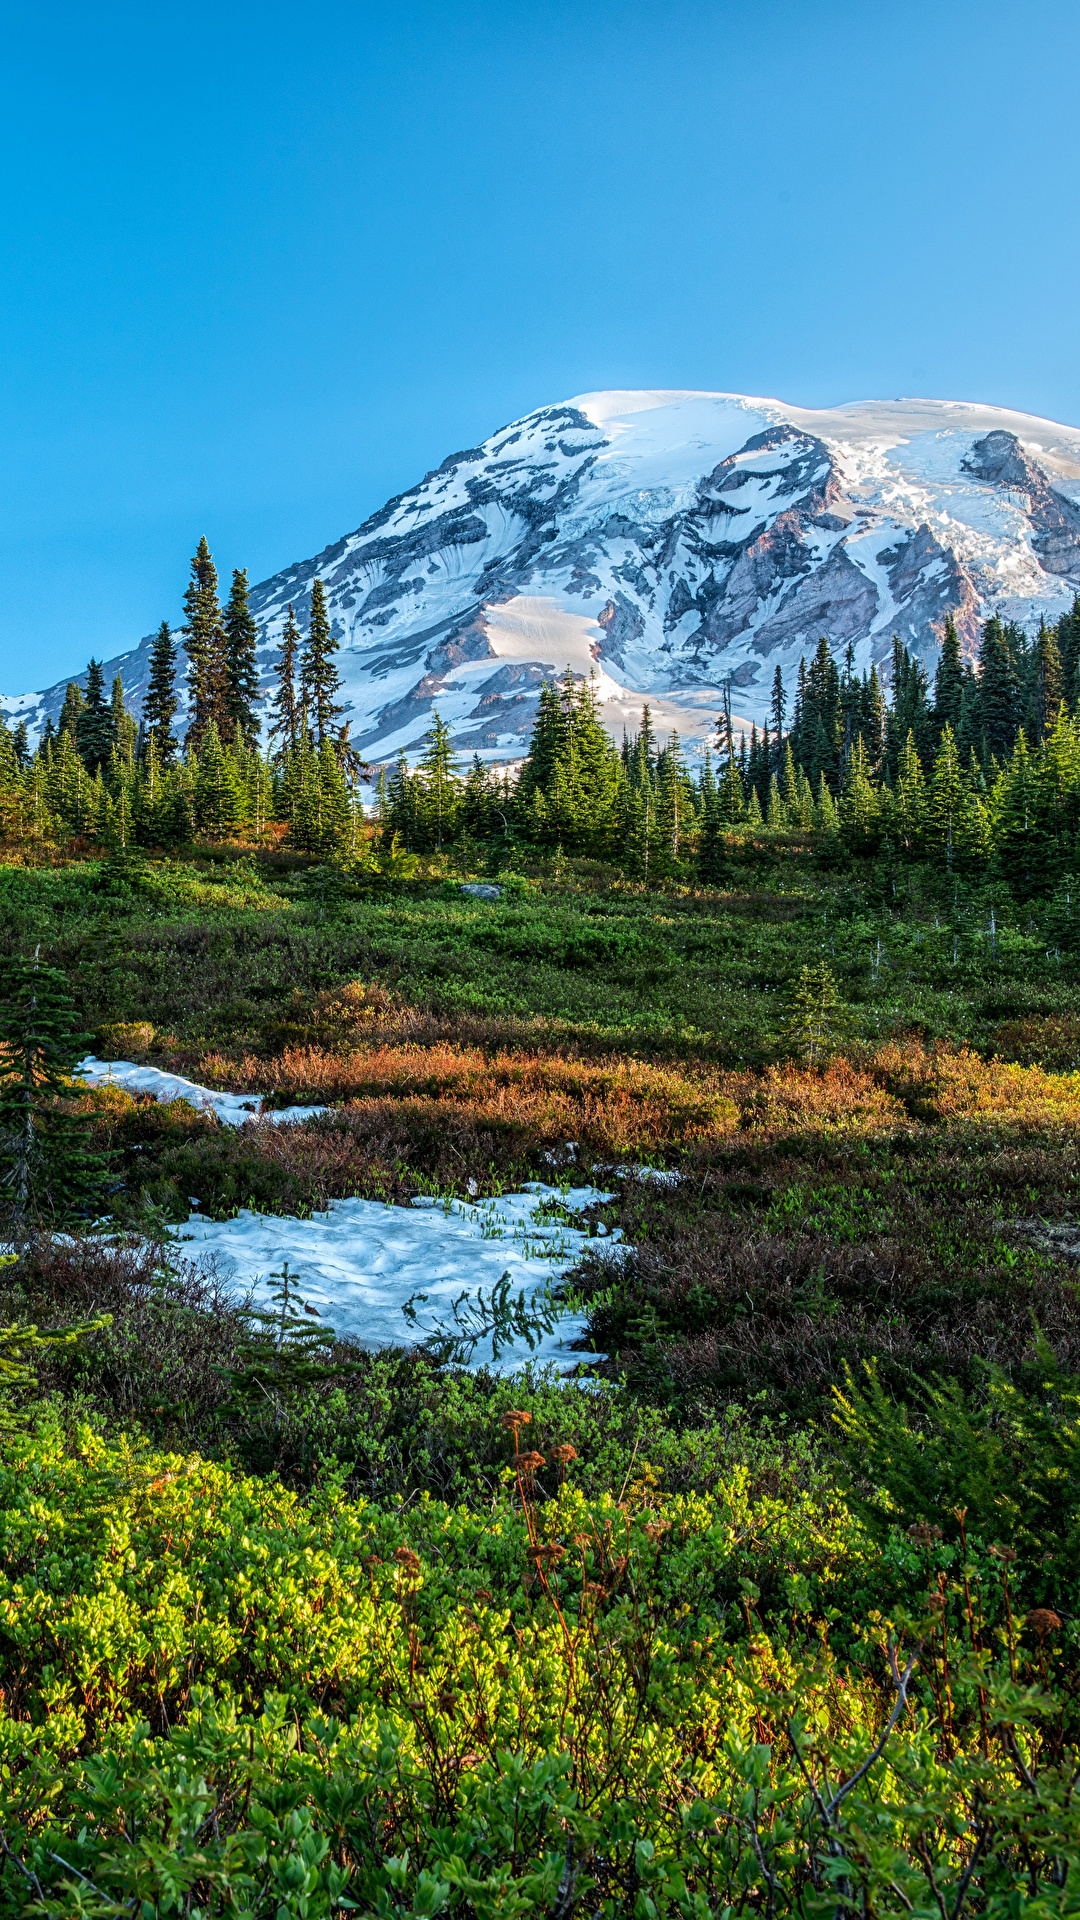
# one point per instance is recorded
(361, 1260)
(232, 1109)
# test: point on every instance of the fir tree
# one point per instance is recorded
(999, 690)
(160, 705)
(1048, 689)
(219, 794)
(20, 746)
(948, 680)
(241, 665)
(205, 644)
(438, 784)
(94, 734)
(286, 724)
(778, 710)
(319, 677)
(48, 1172)
(815, 1018)
(74, 705)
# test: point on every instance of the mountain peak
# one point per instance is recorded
(671, 543)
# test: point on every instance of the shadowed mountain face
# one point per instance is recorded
(669, 543)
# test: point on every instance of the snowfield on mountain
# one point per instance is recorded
(672, 543)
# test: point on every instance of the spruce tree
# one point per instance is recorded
(438, 786)
(94, 734)
(48, 1171)
(1048, 689)
(319, 677)
(160, 705)
(948, 680)
(285, 729)
(241, 665)
(204, 645)
(74, 705)
(778, 710)
(999, 691)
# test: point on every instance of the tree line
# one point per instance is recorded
(977, 771)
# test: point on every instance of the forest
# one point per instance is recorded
(772, 1606)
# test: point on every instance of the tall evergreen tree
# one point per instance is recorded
(1048, 687)
(948, 680)
(438, 785)
(74, 704)
(160, 705)
(94, 734)
(285, 728)
(205, 644)
(778, 711)
(319, 677)
(48, 1172)
(241, 665)
(999, 690)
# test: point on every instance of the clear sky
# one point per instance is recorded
(262, 265)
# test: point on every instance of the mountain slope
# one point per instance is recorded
(671, 542)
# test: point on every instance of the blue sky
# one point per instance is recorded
(263, 265)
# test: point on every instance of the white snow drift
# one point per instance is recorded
(359, 1262)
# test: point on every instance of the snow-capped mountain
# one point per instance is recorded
(669, 543)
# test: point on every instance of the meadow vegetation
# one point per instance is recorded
(772, 1612)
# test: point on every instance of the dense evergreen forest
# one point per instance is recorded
(977, 773)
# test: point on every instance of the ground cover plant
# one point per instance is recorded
(299, 1632)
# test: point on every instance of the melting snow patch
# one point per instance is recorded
(360, 1261)
(232, 1109)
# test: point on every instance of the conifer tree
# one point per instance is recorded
(124, 730)
(20, 743)
(948, 805)
(74, 705)
(909, 796)
(219, 796)
(284, 706)
(241, 665)
(48, 1171)
(438, 784)
(948, 679)
(999, 691)
(320, 680)
(160, 705)
(204, 645)
(778, 710)
(1048, 688)
(94, 734)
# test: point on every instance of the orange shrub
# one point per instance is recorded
(952, 1083)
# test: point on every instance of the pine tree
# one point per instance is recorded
(948, 807)
(241, 665)
(948, 680)
(815, 1019)
(778, 710)
(160, 705)
(124, 730)
(999, 691)
(438, 786)
(48, 1172)
(319, 677)
(205, 644)
(94, 734)
(219, 795)
(286, 724)
(74, 705)
(909, 796)
(1049, 687)
(20, 744)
